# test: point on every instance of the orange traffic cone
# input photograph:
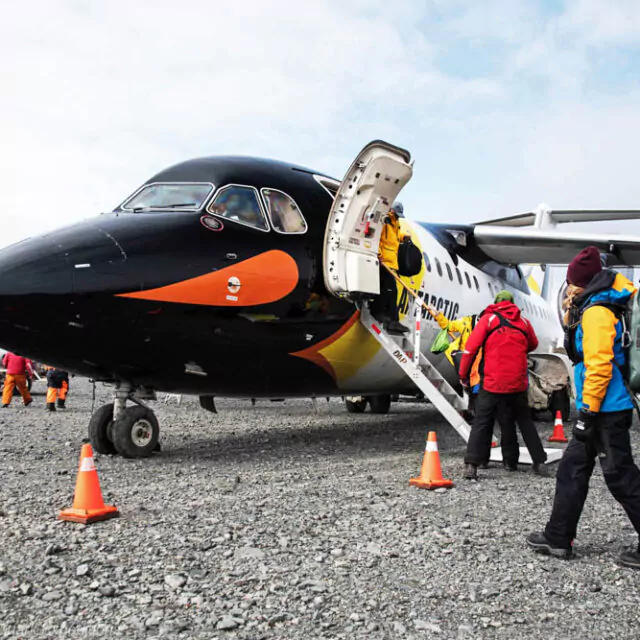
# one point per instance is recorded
(88, 505)
(431, 471)
(558, 429)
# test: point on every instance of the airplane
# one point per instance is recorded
(240, 276)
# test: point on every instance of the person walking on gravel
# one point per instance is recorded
(17, 368)
(595, 339)
(505, 339)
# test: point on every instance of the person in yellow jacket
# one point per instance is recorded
(460, 330)
(385, 308)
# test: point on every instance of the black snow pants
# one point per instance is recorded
(385, 306)
(509, 409)
(612, 447)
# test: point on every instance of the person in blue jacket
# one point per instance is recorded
(595, 341)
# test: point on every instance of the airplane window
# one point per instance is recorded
(284, 213)
(459, 275)
(427, 262)
(446, 264)
(438, 267)
(239, 204)
(184, 196)
(475, 281)
(466, 277)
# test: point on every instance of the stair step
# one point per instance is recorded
(425, 376)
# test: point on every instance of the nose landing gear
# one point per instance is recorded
(132, 432)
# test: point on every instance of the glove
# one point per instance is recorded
(585, 426)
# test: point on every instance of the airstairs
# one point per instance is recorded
(405, 352)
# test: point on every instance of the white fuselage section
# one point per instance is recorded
(456, 291)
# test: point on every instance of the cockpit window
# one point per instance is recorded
(239, 204)
(283, 212)
(185, 196)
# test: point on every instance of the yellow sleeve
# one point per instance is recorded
(599, 332)
(442, 320)
(457, 326)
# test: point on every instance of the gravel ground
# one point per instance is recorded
(273, 522)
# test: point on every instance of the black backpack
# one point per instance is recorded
(409, 259)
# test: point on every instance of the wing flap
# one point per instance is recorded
(544, 216)
(513, 245)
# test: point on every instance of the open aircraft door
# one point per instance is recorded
(375, 178)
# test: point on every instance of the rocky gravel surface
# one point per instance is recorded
(274, 522)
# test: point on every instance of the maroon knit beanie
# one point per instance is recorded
(584, 267)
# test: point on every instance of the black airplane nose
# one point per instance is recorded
(33, 267)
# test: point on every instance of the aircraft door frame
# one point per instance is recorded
(352, 235)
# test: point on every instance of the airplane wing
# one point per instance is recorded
(514, 245)
(535, 236)
(544, 213)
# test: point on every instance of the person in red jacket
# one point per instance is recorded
(505, 339)
(17, 368)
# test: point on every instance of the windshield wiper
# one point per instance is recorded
(175, 205)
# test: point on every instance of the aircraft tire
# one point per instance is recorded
(135, 433)
(379, 404)
(208, 403)
(560, 401)
(99, 427)
(356, 407)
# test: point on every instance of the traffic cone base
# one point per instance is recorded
(88, 505)
(558, 430)
(430, 484)
(87, 517)
(431, 471)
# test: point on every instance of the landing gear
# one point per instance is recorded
(560, 401)
(208, 403)
(100, 428)
(132, 432)
(135, 432)
(356, 405)
(379, 404)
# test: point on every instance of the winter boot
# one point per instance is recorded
(395, 328)
(51, 406)
(539, 542)
(630, 559)
(538, 469)
(470, 472)
(60, 404)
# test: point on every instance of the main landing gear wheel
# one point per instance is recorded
(379, 404)
(208, 404)
(357, 406)
(135, 432)
(99, 430)
(560, 401)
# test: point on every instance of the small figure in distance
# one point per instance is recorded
(57, 388)
(17, 367)
(385, 306)
(594, 305)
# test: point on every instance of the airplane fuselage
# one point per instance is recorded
(191, 301)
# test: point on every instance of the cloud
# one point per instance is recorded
(500, 103)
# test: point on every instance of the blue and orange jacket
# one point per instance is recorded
(600, 385)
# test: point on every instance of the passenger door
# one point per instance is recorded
(355, 223)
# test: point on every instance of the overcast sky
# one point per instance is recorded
(502, 103)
